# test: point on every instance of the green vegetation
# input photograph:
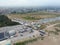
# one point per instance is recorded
(5, 21)
(56, 32)
(42, 38)
(31, 18)
(33, 15)
(30, 41)
(25, 42)
(36, 13)
(57, 25)
(42, 26)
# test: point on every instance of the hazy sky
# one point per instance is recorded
(29, 2)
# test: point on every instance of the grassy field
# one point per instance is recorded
(34, 16)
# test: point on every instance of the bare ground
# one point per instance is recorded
(48, 40)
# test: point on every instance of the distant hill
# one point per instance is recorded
(5, 21)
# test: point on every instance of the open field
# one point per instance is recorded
(34, 16)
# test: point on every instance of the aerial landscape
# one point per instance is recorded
(30, 22)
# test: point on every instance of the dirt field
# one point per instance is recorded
(48, 40)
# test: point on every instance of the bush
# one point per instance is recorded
(5, 21)
(25, 42)
(42, 26)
